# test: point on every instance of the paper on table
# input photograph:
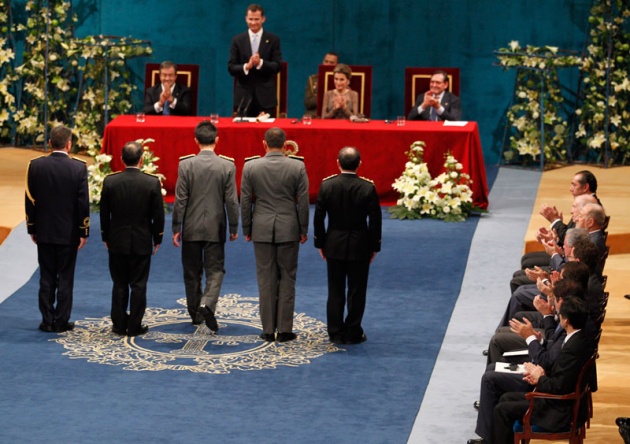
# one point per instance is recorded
(253, 119)
(455, 122)
(504, 367)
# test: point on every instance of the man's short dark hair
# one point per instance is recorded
(275, 138)
(568, 288)
(349, 158)
(255, 7)
(575, 311)
(206, 133)
(576, 271)
(586, 177)
(332, 53)
(587, 253)
(166, 64)
(59, 137)
(443, 73)
(132, 153)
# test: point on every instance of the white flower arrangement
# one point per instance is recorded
(102, 167)
(446, 197)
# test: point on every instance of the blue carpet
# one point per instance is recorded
(368, 393)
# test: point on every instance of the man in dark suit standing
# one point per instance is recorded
(349, 245)
(437, 104)
(205, 196)
(550, 414)
(132, 225)
(255, 59)
(274, 211)
(58, 220)
(167, 98)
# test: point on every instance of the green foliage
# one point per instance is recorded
(537, 91)
(605, 107)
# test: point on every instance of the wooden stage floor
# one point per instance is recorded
(613, 398)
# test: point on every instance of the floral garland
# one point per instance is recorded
(71, 85)
(605, 109)
(446, 197)
(102, 167)
(7, 74)
(536, 65)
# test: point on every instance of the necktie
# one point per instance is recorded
(433, 114)
(255, 44)
(167, 108)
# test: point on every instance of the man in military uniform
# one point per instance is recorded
(348, 245)
(274, 211)
(58, 220)
(205, 196)
(132, 227)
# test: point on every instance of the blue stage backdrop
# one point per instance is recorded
(389, 35)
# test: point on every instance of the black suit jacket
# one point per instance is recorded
(354, 218)
(450, 102)
(132, 212)
(57, 199)
(180, 92)
(259, 82)
(552, 414)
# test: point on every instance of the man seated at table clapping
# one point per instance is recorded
(437, 103)
(167, 98)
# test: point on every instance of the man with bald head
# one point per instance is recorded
(583, 183)
(551, 243)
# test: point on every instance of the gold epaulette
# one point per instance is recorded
(329, 177)
(152, 175)
(247, 159)
(115, 172)
(231, 159)
(186, 157)
(38, 157)
(297, 157)
(80, 160)
(367, 180)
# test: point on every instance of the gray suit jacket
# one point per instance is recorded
(204, 195)
(274, 198)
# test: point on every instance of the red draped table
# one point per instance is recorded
(382, 147)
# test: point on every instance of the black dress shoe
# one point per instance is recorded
(119, 331)
(337, 340)
(622, 421)
(64, 327)
(46, 327)
(627, 296)
(267, 337)
(363, 338)
(143, 329)
(208, 315)
(284, 337)
(476, 405)
(476, 441)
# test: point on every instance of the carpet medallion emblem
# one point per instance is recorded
(173, 343)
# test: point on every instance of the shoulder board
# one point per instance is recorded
(247, 159)
(39, 157)
(186, 157)
(297, 157)
(329, 177)
(231, 159)
(152, 175)
(367, 180)
(78, 160)
(111, 174)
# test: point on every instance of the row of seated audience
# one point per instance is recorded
(437, 104)
(552, 327)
